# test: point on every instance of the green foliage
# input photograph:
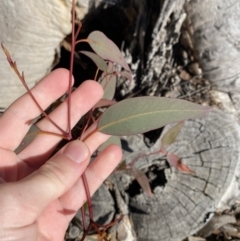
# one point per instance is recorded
(113, 140)
(142, 180)
(128, 117)
(101, 64)
(109, 86)
(142, 114)
(104, 102)
(171, 135)
(106, 49)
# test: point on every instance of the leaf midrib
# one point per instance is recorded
(138, 115)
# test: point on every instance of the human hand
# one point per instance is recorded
(39, 197)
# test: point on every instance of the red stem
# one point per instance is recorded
(78, 30)
(85, 183)
(88, 195)
(71, 70)
(21, 77)
(86, 232)
(83, 218)
(86, 125)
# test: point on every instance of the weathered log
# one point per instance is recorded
(32, 32)
(183, 203)
(214, 28)
(216, 39)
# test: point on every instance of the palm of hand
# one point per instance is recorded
(32, 205)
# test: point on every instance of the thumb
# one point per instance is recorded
(55, 177)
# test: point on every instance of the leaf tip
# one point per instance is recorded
(176, 162)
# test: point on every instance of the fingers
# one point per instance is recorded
(83, 99)
(47, 184)
(95, 173)
(13, 123)
(92, 138)
(56, 179)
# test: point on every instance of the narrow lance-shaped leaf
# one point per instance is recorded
(176, 162)
(142, 180)
(22, 79)
(108, 81)
(142, 114)
(126, 74)
(101, 64)
(104, 102)
(109, 86)
(106, 48)
(170, 136)
(110, 67)
(122, 165)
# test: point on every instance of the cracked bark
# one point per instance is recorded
(184, 203)
(216, 38)
(215, 30)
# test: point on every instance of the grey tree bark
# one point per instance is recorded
(183, 203)
(216, 38)
(215, 30)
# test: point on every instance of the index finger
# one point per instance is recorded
(14, 121)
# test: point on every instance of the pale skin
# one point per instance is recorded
(39, 195)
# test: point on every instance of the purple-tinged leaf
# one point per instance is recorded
(110, 67)
(142, 180)
(33, 131)
(171, 135)
(176, 162)
(109, 85)
(112, 140)
(104, 102)
(101, 64)
(106, 48)
(142, 114)
(126, 74)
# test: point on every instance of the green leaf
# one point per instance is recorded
(101, 64)
(85, 206)
(104, 103)
(112, 140)
(109, 86)
(126, 74)
(106, 48)
(171, 135)
(142, 181)
(142, 114)
(122, 165)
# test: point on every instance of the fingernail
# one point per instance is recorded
(77, 151)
